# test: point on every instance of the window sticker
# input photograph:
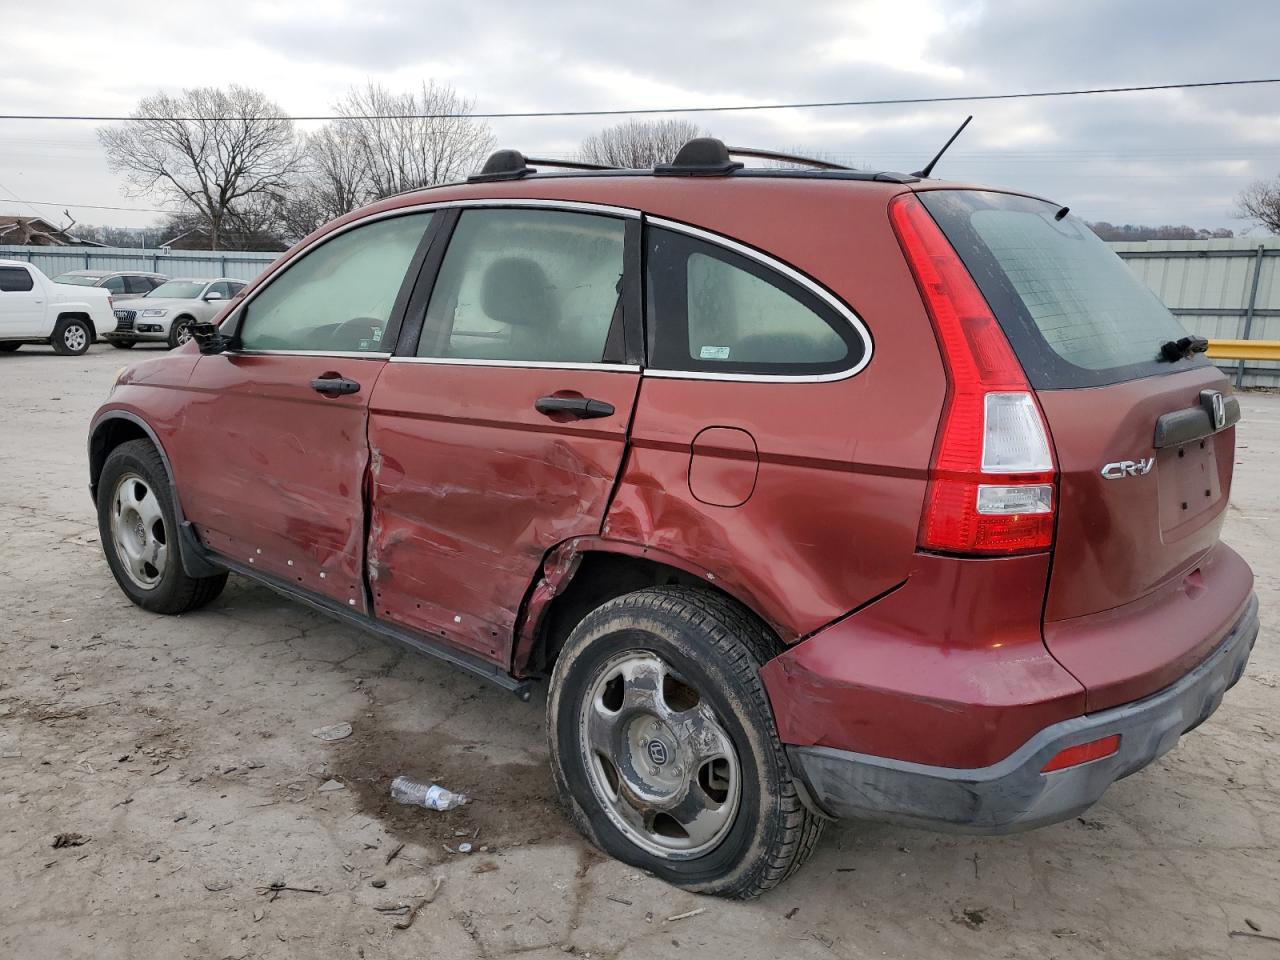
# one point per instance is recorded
(714, 353)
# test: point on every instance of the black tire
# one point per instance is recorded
(9, 347)
(717, 647)
(122, 344)
(72, 337)
(174, 591)
(175, 330)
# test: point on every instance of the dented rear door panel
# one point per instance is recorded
(471, 487)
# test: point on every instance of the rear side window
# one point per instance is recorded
(538, 286)
(337, 296)
(114, 284)
(1073, 312)
(714, 310)
(15, 280)
(136, 284)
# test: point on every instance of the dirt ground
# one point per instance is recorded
(181, 750)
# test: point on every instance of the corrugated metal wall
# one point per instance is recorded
(196, 264)
(1210, 285)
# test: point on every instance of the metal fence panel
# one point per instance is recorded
(197, 264)
(1220, 289)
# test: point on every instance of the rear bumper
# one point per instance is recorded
(1013, 794)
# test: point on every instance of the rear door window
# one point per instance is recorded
(114, 284)
(15, 280)
(136, 284)
(527, 286)
(1073, 312)
(713, 310)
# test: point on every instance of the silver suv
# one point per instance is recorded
(167, 312)
(121, 285)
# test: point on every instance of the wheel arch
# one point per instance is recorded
(77, 314)
(111, 430)
(580, 574)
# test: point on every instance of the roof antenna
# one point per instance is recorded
(928, 167)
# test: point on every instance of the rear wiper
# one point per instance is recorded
(1172, 351)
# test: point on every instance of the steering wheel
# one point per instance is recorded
(351, 332)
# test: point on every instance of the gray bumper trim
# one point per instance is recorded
(1013, 794)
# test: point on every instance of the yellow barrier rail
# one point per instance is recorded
(1244, 349)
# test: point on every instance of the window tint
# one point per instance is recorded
(114, 284)
(339, 295)
(532, 285)
(136, 284)
(714, 310)
(1074, 313)
(15, 280)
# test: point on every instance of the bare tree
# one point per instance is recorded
(332, 181)
(207, 150)
(1260, 201)
(413, 139)
(638, 144)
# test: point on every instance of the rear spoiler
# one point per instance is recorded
(1215, 412)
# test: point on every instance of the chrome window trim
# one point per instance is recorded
(382, 355)
(529, 364)
(791, 274)
(576, 206)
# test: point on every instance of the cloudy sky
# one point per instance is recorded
(1166, 157)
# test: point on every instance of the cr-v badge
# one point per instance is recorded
(1128, 468)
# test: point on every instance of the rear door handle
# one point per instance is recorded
(334, 386)
(583, 408)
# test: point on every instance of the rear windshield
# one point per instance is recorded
(78, 279)
(1074, 313)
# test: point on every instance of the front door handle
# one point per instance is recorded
(332, 385)
(581, 408)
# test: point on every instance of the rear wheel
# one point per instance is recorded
(179, 332)
(71, 337)
(9, 347)
(123, 344)
(664, 748)
(139, 532)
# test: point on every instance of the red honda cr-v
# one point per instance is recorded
(812, 493)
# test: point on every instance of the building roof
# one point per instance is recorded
(38, 232)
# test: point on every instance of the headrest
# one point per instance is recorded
(516, 292)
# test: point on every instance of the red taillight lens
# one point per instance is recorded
(1083, 753)
(991, 484)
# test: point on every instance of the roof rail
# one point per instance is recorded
(512, 165)
(785, 157)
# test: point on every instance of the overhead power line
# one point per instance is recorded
(85, 206)
(533, 114)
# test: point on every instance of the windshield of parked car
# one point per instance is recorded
(79, 279)
(177, 289)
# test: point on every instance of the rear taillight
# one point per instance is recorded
(991, 483)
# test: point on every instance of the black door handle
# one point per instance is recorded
(583, 408)
(334, 386)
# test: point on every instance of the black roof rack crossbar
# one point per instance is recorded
(512, 165)
(785, 158)
(570, 164)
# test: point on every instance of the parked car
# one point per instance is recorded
(167, 312)
(122, 285)
(809, 493)
(34, 309)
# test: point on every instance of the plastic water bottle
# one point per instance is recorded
(429, 795)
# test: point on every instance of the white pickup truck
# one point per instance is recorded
(34, 309)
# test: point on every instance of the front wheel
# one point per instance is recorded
(664, 748)
(71, 337)
(138, 528)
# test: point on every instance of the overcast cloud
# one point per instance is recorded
(1169, 157)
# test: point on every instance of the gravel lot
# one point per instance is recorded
(182, 749)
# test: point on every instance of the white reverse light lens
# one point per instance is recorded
(1003, 501)
(1014, 439)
